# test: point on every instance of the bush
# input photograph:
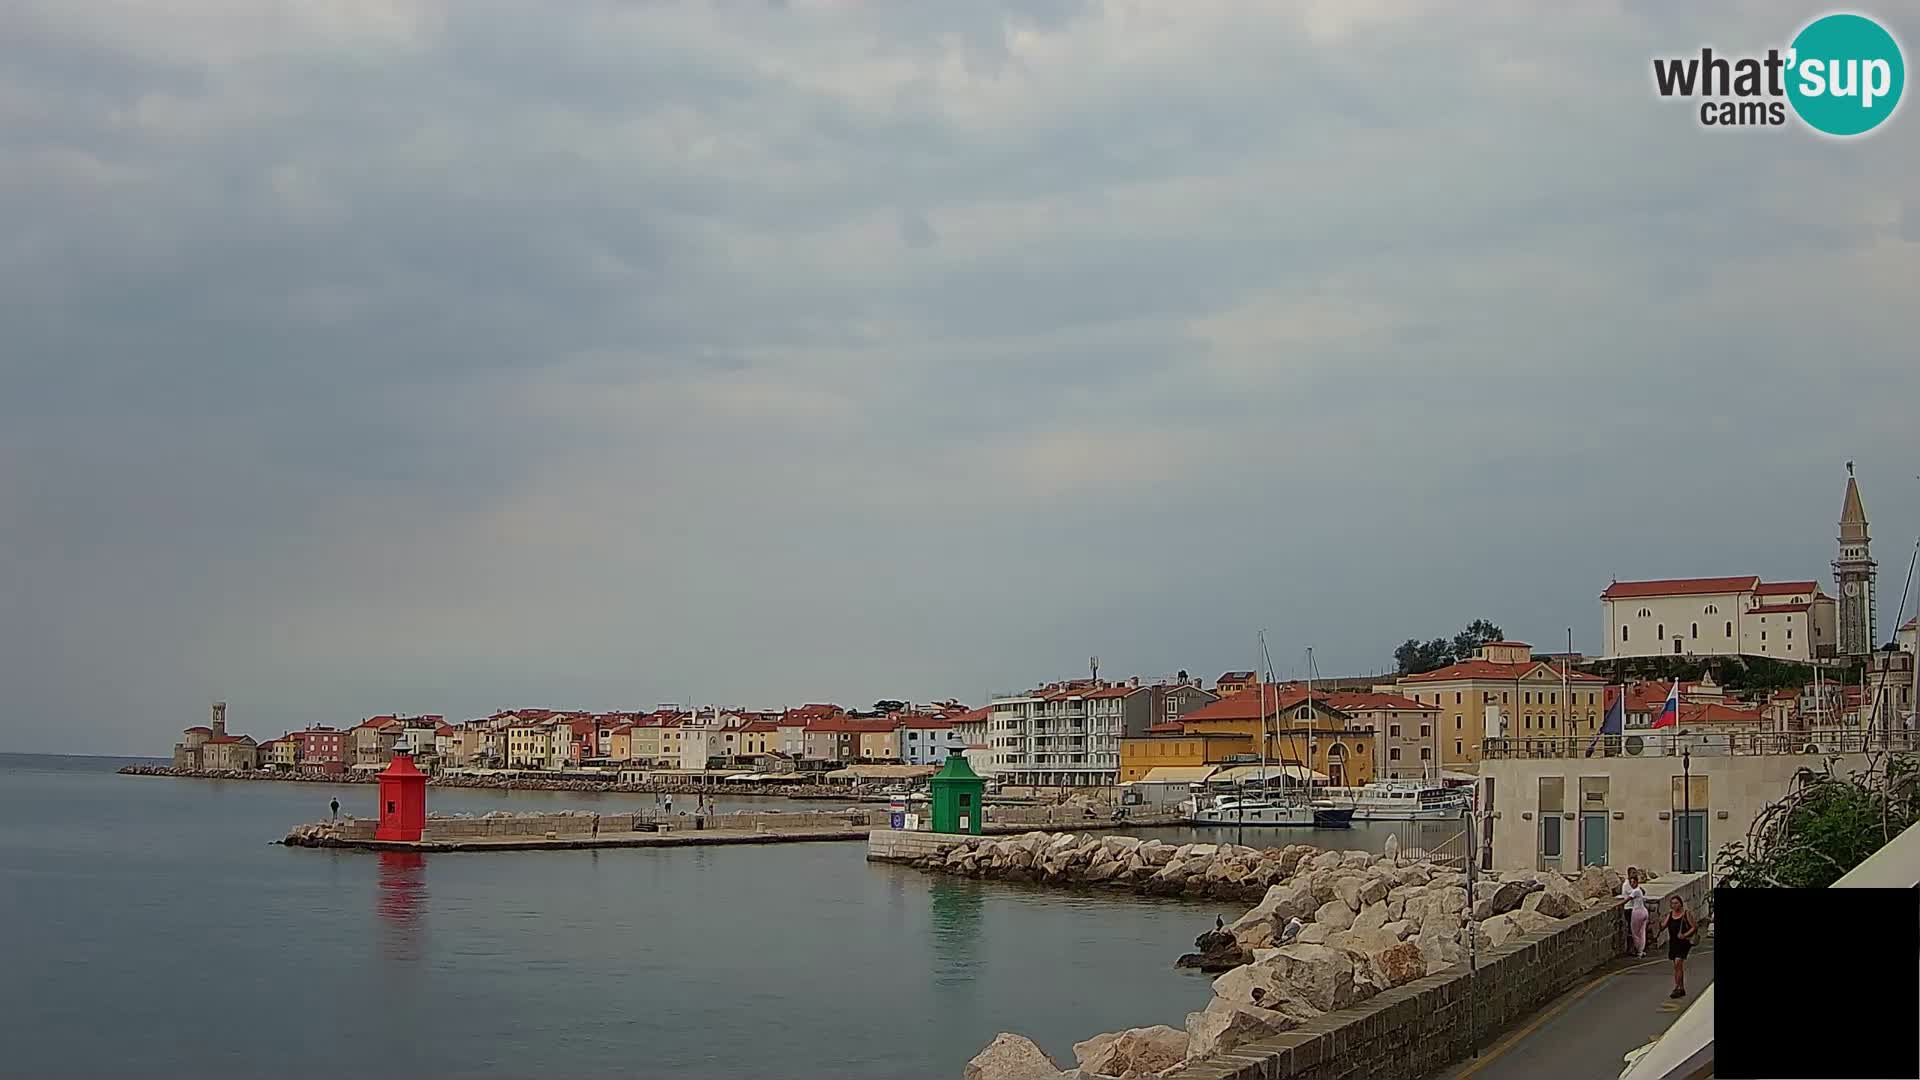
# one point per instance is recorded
(1825, 826)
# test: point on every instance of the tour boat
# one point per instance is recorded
(1398, 800)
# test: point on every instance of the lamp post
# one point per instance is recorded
(1686, 812)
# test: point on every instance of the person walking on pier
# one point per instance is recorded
(335, 807)
(1681, 929)
(1635, 895)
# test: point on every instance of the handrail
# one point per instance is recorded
(1815, 743)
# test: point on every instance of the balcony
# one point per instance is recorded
(1812, 744)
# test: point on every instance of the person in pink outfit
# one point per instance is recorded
(1636, 897)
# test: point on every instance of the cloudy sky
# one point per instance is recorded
(448, 356)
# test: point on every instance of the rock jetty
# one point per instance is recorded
(1369, 922)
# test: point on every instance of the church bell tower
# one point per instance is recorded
(1855, 574)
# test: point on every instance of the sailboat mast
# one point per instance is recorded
(1309, 718)
(1261, 638)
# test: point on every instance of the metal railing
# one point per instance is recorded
(1814, 743)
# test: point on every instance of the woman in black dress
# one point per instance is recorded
(1681, 931)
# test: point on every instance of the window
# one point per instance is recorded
(1696, 629)
(1393, 753)
(1457, 752)
(1426, 753)
(1456, 723)
(1393, 730)
(1553, 698)
(1729, 629)
(1456, 698)
(1645, 614)
(1789, 633)
(1711, 609)
(1763, 635)
(1426, 730)
(1661, 631)
(1623, 633)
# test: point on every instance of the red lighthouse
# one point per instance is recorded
(403, 801)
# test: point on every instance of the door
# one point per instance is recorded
(1549, 841)
(1690, 841)
(1593, 839)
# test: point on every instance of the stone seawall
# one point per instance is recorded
(1414, 1030)
(1344, 953)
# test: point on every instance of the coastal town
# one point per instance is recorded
(1738, 676)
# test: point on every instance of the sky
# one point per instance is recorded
(452, 356)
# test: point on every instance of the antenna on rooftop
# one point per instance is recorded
(1094, 663)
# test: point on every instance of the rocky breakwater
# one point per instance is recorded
(1336, 929)
(1150, 867)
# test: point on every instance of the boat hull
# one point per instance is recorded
(1296, 817)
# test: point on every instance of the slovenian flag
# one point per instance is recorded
(1615, 722)
(1670, 711)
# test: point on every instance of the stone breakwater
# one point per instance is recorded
(497, 783)
(1328, 930)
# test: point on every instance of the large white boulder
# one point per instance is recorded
(1137, 1052)
(1011, 1057)
(1224, 1024)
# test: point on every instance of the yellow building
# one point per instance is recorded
(1170, 748)
(529, 745)
(879, 745)
(759, 739)
(1504, 691)
(1294, 731)
(281, 753)
(620, 743)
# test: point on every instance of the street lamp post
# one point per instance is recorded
(1686, 812)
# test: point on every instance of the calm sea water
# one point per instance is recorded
(152, 929)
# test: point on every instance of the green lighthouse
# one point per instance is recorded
(958, 795)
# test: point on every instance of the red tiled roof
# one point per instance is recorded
(197, 729)
(970, 715)
(1165, 727)
(1775, 588)
(379, 721)
(1487, 669)
(1712, 712)
(1621, 590)
(230, 739)
(1246, 705)
(1354, 701)
(446, 729)
(1775, 609)
(762, 725)
(1235, 676)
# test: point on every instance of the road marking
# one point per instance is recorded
(1566, 1001)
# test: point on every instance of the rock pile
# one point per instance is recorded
(1370, 923)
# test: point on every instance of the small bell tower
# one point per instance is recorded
(1856, 575)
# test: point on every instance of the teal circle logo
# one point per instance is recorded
(1845, 75)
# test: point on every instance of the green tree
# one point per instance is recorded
(1825, 826)
(1415, 656)
(888, 706)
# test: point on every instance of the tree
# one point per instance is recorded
(1825, 826)
(1415, 656)
(888, 706)
(1479, 632)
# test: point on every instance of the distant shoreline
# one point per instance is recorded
(493, 783)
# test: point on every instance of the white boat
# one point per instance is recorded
(1399, 800)
(1248, 810)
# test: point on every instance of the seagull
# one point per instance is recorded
(1219, 922)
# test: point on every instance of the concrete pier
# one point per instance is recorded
(579, 830)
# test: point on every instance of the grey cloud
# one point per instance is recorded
(608, 355)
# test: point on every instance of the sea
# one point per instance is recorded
(153, 928)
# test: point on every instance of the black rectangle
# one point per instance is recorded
(1816, 983)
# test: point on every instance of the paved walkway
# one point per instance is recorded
(1585, 1034)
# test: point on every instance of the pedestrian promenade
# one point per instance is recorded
(1586, 1033)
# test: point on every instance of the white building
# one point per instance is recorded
(1723, 616)
(1066, 734)
(925, 740)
